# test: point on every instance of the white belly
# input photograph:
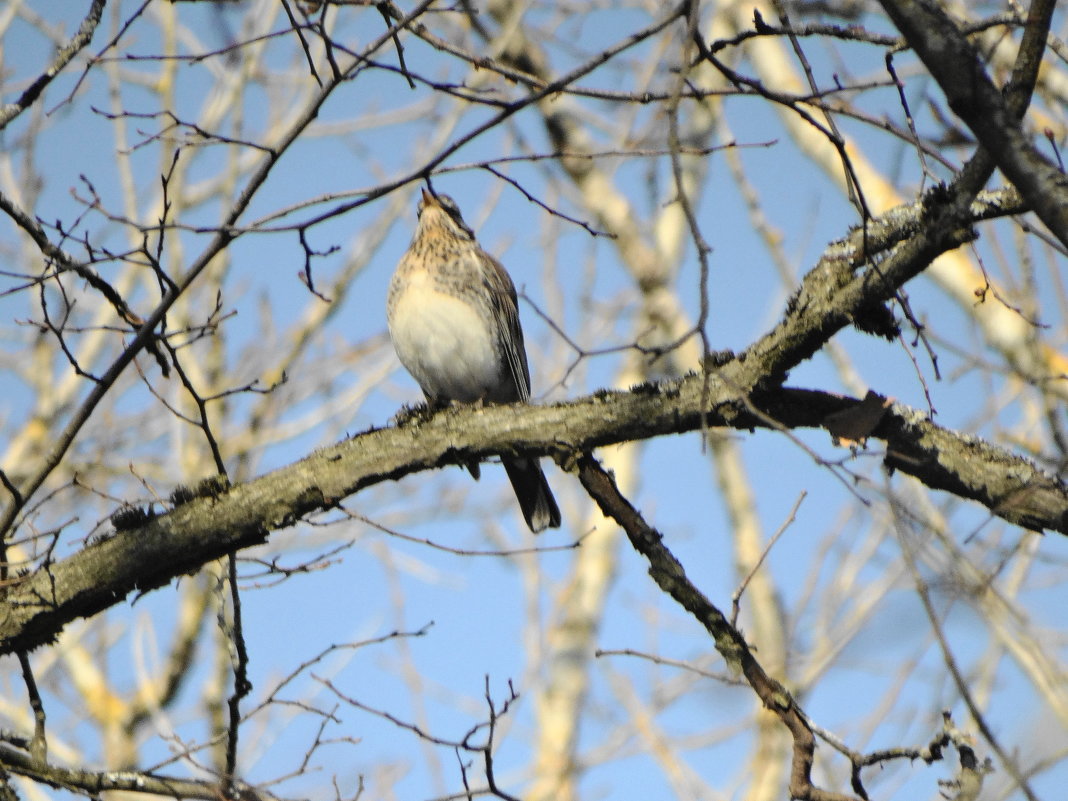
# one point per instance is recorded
(446, 346)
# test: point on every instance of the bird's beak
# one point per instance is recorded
(427, 197)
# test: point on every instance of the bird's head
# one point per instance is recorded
(441, 211)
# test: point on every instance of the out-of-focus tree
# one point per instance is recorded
(792, 280)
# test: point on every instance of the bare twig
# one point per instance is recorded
(737, 596)
(39, 743)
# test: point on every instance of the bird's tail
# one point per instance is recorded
(532, 491)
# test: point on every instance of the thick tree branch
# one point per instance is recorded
(148, 553)
(93, 783)
(954, 63)
(839, 290)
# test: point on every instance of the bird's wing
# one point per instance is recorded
(506, 308)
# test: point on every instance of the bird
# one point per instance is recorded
(453, 317)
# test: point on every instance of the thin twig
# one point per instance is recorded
(737, 596)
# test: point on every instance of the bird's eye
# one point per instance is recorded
(449, 206)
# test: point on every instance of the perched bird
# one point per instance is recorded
(454, 321)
